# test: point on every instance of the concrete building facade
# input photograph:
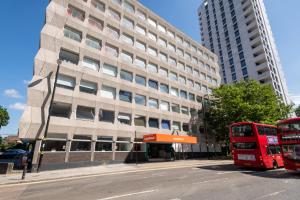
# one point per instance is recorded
(238, 31)
(125, 72)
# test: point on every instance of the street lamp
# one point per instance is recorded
(48, 117)
(205, 122)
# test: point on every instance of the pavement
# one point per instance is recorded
(182, 180)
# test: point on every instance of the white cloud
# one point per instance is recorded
(18, 106)
(12, 93)
(295, 99)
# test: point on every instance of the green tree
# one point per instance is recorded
(297, 111)
(4, 117)
(244, 101)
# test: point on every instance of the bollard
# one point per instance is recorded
(24, 171)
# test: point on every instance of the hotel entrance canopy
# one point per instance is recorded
(165, 138)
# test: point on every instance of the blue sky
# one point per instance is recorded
(20, 31)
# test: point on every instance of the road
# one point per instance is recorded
(189, 183)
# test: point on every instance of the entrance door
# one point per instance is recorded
(158, 151)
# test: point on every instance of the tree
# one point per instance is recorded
(244, 101)
(297, 111)
(4, 117)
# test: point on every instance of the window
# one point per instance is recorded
(174, 91)
(152, 36)
(164, 105)
(104, 143)
(59, 109)
(72, 34)
(183, 94)
(140, 29)
(140, 80)
(176, 126)
(112, 50)
(67, 82)
(182, 79)
(126, 39)
(175, 108)
(152, 68)
(81, 143)
(190, 83)
(173, 62)
(161, 28)
(199, 99)
(97, 23)
(69, 56)
(140, 62)
(197, 86)
(118, 2)
(164, 88)
(128, 7)
(140, 121)
(99, 5)
(76, 13)
(107, 116)
(171, 34)
(114, 14)
(181, 66)
(93, 42)
(153, 84)
(188, 56)
(91, 63)
(140, 99)
(184, 110)
(124, 118)
(185, 127)
(179, 39)
(196, 73)
(153, 103)
(186, 43)
(128, 57)
(141, 14)
(173, 76)
(242, 131)
(112, 32)
(191, 97)
(123, 144)
(180, 52)
(194, 60)
(125, 96)
(84, 112)
(152, 51)
(189, 69)
(162, 42)
(55, 145)
(172, 47)
(163, 72)
(125, 75)
(88, 87)
(152, 22)
(108, 92)
(127, 23)
(163, 56)
(153, 123)
(165, 124)
(140, 45)
(110, 70)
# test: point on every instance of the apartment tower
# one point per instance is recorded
(238, 31)
(124, 72)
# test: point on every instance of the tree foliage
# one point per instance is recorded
(297, 111)
(4, 117)
(244, 101)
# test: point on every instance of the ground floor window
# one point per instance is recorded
(104, 143)
(55, 145)
(81, 143)
(123, 144)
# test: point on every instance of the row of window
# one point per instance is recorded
(59, 109)
(130, 23)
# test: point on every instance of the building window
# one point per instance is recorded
(164, 105)
(72, 34)
(112, 32)
(171, 47)
(140, 29)
(108, 92)
(152, 22)
(171, 34)
(123, 144)
(183, 94)
(93, 42)
(173, 76)
(152, 36)
(141, 14)
(140, 121)
(140, 99)
(84, 112)
(191, 97)
(114, 14)
(163, 57)
(185, 110)
(127, 23)
(64, 81)
(189, 69)
(153, 123)
(173, 62)
(96, 22)
(176, 126)
(175, 108)
(125, 96)
(140, 80)
(124, 118)
(163, 72)
(88, 87)
(140, 62)
(152, 51)
(164, 88)
(69, 56)
(197, 86)
(54, 145)
(165, 124)
(153, 103)
(162, 42)
(161, 28)
(174, 91)
(81, 143)
(112, 50)
(153, 84)
(181, 66)
(110, 70)
(140, 45)
(190, 83)
(99, 5)
(76, 13)
(128, 7)
(126, 39)
(91, 63)
(125, 75)
(106, 116)
(185, 127)
(152, 68)
(182, 79)
(59, 109)
(104, 143)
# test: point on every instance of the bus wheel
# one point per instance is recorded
(275, 165)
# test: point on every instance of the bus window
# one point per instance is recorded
(261, 130)
(242, 131)
(291, 151)
(272, 150)
(245, 145)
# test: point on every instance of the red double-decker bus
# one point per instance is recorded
(255, 145)
(289, 140)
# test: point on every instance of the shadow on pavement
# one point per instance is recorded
(278, 173)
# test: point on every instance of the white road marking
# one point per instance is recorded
(126, 195)
(270, 195)
(212, 180)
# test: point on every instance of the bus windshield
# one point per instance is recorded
(291, 151)
(242, 131)
(289, 127)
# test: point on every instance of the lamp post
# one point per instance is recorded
(205, 123)
(48, 117)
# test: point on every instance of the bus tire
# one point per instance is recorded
(275, 164)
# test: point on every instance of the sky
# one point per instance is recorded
(20, 30)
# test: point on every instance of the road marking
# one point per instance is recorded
(126, 195)
(270, 195)
(212, 180)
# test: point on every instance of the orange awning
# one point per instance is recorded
(165, 138)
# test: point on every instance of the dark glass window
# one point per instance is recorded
(153, 123)
(125, 96)
(107, 116)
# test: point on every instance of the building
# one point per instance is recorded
(124, 72)
(238, 31)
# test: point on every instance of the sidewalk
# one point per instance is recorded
(48, 176)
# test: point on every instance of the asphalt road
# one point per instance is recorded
(220, 182)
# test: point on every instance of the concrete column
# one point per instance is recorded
(36, 154)
(93, 150)
(68, 148)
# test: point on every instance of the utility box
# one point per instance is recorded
(6, 167)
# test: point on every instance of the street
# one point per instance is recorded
(219, 181)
